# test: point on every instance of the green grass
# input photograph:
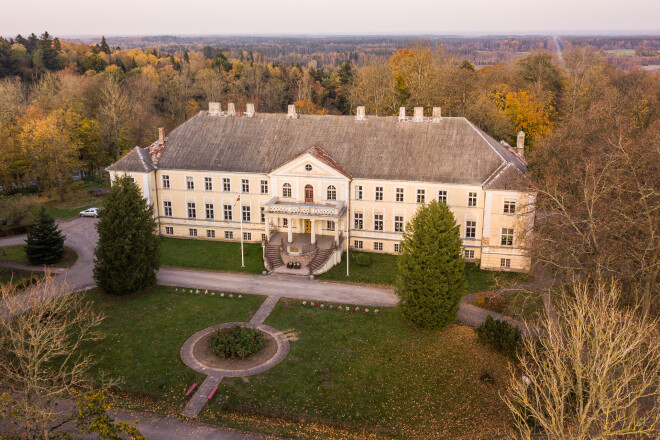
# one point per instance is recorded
(14, 276)
(144, 333)
(17, 253)
(621, 52)
(64, 212)
(349, 373)
(384, 270)
(211, 255)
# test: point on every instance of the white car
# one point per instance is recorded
(91, 212)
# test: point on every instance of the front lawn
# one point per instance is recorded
(144, 333)
(369, 374)
(18, 277)
(211, 255)
(17, 253)
(383, 270)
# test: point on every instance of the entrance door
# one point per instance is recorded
(309, 194)
(308, 226)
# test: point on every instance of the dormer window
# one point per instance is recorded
(308, 167)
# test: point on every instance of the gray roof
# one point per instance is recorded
(451, 151)
(136, 160)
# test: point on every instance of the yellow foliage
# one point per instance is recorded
(526, 113)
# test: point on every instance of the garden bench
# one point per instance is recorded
(215, 388)
(190, 390)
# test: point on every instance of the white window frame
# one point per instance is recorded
(166, 208)
(226, 211)
(379, 223)
(247, 236)
(469, 254)
(190, 183)
(472, 228)
(358, 192)
(397, 247)
(443, 196)
(229, 235)
(398, 224)
(509, 236)
(165, 181)
(245, 186)
(421, 194)
(509, 206)
(378, 245)
(246, 213)
(379, 193)
(470, 197)
(169, 230)
(331, 192)
(358, 244)
(192, 232)
(226, 184)
(400, 196)
(286, 190)
(264, 186)
(361, 220)
(210, 233)
(208, 183)
(193, 208)
(211, 210)
(505, 262)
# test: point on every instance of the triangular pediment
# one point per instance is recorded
(312, 163)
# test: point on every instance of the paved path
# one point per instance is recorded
(197, 401)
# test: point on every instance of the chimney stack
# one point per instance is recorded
(214, 108)
(418, 115)
(249, 110)
(231, 109)
(292, 112)
(437, 114)
(361, 114)
(161, 135)
(402, 114)
(520, 144)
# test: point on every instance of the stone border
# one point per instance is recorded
(189, 359)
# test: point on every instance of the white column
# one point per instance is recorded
(266, 226)
(290, 223)
(313, 231)
(337, 231)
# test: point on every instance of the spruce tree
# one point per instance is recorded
(45, 242)
(128, 250)
(431, 283)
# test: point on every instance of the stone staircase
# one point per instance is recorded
(273, 255)
(321, 257)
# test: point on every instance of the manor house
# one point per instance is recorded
(310, 186)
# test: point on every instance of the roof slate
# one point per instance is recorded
(451, 151)
(136, 160)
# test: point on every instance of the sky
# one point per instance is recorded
(327, 17)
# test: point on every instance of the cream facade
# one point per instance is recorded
(313, 199)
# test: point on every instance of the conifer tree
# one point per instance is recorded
(432, 271)
(45, 242)
(128, 250)
(104, 46)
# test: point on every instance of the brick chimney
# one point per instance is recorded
(215, 109)
(292, 112)
(231, 109)
(402, 114)
(249, 110)
(161, 135)
(520, 144)
(437, 114)
(418, 115)
(361, 114)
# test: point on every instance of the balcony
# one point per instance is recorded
(331, 210)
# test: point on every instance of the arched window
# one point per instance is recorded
(332, 193)
(309, 194)
(286, 190)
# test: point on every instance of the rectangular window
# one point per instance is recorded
(472, 199)
(470, 229)
(264, 187)
(227, 212)
(208, 184)
(509, 206)
(357, 244)
(263, 215)
(507, 237)
(397, 247)
(167, 208)
(378, 245)
(226, 184)
(210, 233)
(442, 196)
(192, 232)
(358, 192)
(190, 183)
(285, 222)
(505, 262)
(330, 225)
(166, 182)
(169, 230)
(192, 210)
(379, 193)
(469, 254)
(210, 212)
(247, 236)
(421, 196)
(246, 213)
(359, 220)
(378, 222)
(398, 223)
(263, 237)
(229, 235)
(399, 194)
(245, 186)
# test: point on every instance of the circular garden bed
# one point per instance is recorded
(237, 347)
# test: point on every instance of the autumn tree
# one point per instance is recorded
(374, 88)
(592, 372)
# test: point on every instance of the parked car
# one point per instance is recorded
(91, 212)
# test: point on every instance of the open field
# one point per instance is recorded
(370, 374)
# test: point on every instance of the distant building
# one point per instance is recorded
(312, 185)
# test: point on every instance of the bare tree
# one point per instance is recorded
(591, 374)
(41, 335)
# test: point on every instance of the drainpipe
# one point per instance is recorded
(157, 202)
(348, 225)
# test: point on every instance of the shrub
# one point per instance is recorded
(27, 282)
(362, 260)
(237, 342)
(491, 301)
(501, 335)
(16, 210)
